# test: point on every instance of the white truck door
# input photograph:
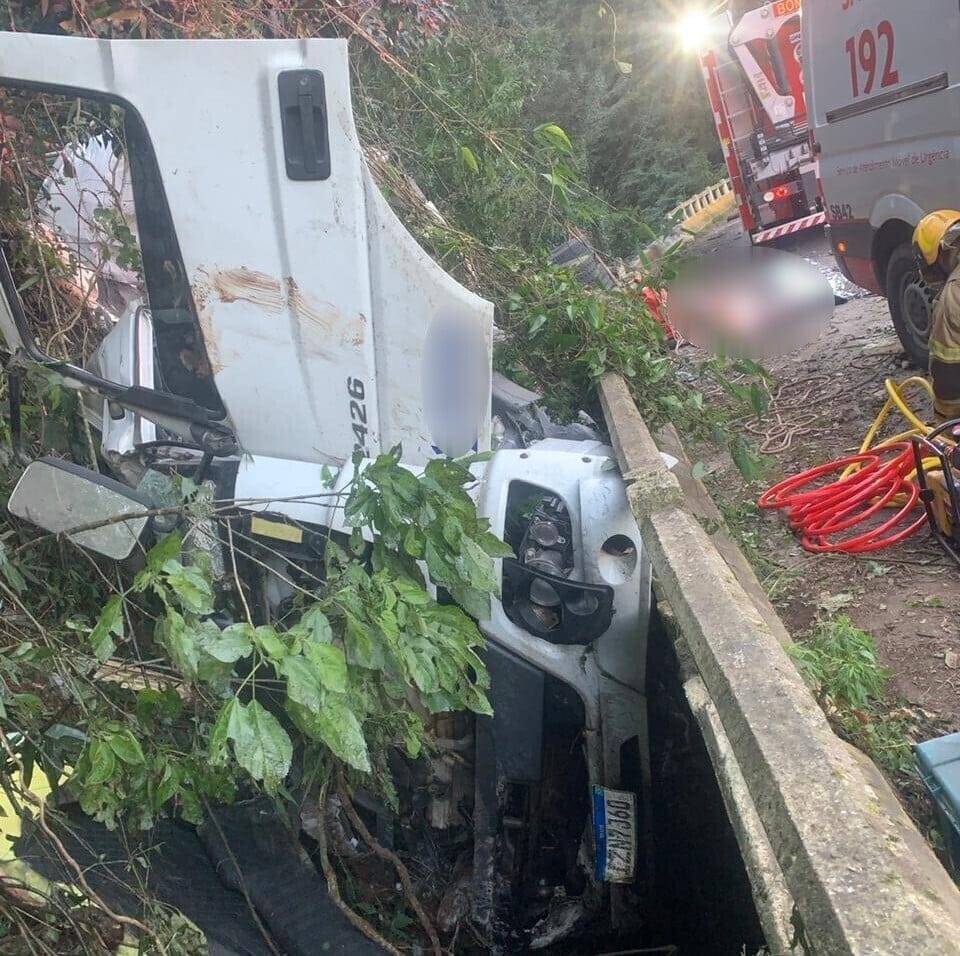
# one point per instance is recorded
(883, 87)
(327, 328)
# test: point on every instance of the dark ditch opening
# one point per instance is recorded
(703, 903)
(700, 903)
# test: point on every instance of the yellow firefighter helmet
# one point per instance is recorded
(936, 231)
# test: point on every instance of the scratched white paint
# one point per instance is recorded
(304, 290)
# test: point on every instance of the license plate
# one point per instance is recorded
(615, 834)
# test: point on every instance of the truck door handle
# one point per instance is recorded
(303, 117)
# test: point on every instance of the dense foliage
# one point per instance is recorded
(354, 670)
(466, 119)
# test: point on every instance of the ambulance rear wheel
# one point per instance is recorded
(910, 303)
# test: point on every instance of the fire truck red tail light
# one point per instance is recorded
(776, 194)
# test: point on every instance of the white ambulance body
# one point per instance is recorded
(883, 96)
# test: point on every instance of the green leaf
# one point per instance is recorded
(108, 626)
(475, 603)
(477, 567)
(363, 649)
(181, 644)
(745, 459)
(223, 730)
(437, 564)
(319, 625)
(191, 587)
(210, 668)
(260, 744)
(477, 458)
(468, 160)
(555, 136)
(357, 544)
(411, 593)
(152, 704)
(103, 764)
(331, 665)
(28, 283)
(537, 323)
(448, 475)
(269, 643)
(126, 747)
(166, 549)
(594, 313)
(496, 548)
(452, 531)
(338, 727)
(759, 400)
(167, 784)
(413, 542)
(303, 681)
(418, 657)
(232, 644)
(413, 736)
(10, 571)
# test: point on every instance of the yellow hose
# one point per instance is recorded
(896, 400)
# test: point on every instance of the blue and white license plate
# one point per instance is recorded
(615, 834)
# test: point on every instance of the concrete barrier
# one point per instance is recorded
(861, 878)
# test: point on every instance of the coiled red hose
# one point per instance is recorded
(822, 512)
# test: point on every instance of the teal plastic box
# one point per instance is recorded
(939, 764)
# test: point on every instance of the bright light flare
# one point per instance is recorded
(694, 30)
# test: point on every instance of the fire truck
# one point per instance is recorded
(753, 67)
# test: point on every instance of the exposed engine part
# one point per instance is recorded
(564, 917)
(451, 770)
(519, 419)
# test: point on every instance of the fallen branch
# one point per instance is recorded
(333, 887)
(398, 864)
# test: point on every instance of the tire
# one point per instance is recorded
(910, 303)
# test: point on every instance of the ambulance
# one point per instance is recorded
(883, 98)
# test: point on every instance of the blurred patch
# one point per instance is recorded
(755, 303)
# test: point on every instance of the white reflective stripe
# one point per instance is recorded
(798, 225)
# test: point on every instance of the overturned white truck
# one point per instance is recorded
(289, 320)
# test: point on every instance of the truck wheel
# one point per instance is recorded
(910, 303)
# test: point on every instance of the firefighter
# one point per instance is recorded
(936, 242)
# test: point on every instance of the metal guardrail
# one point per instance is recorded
(703, 200)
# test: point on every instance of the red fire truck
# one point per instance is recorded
(753, 67)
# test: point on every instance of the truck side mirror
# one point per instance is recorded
(87, 507)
